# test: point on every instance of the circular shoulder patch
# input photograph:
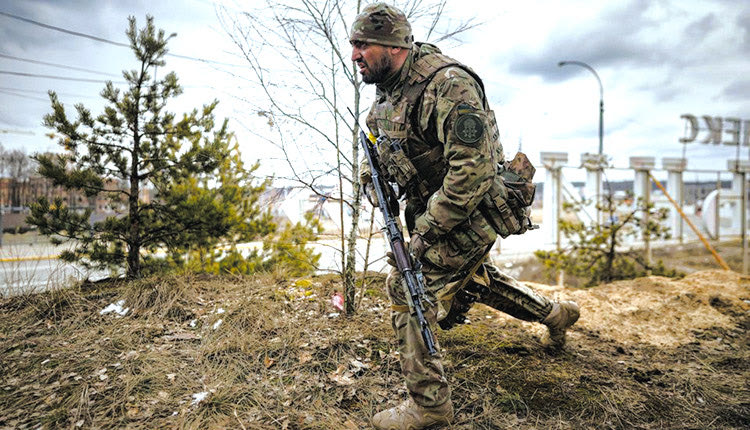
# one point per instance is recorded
(469, 128)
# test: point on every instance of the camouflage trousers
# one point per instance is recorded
(423, 374)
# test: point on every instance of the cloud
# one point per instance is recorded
(612, 38)
(737, 90)
(83, 16)
(11, 116)
(743, 22)
(637, 34)
(107, 20)
(698, 30)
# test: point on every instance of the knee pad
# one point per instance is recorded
(513, 298)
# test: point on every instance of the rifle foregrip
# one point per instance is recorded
(429, 342)
(427, 336)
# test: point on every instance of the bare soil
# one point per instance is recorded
(273, 353)
(684, 258)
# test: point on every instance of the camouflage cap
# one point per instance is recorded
(382, 24)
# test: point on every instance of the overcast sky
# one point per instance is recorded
(657, 60)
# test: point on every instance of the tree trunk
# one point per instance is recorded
(134, 243)
(350, 286)
(134, 239)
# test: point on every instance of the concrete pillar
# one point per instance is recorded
(675, 188)
(642, 194)
(739, 169)
(552, 202)
(594, 165)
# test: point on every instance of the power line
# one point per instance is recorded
(21, 90)
(103, 40)
(23, 96)
(96, 81)
(3, 131)
(62, 66)
(52, 27)
(62, 78)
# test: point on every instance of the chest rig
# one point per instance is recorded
(413, 157)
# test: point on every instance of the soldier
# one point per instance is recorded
(447, 162)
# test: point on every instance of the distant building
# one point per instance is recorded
(293, 203)
(16, 195)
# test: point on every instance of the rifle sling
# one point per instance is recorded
(470, 273)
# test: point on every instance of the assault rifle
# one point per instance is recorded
(410, 268)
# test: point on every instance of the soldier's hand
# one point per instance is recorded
(371, 195)
(391, 259)
(418, 245)
(365, 176)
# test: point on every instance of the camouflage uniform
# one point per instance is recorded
(443, 151)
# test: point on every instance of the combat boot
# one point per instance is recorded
(562, 316)
(410, 416)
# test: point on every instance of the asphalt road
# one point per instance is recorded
(34, 275)
(29, 264)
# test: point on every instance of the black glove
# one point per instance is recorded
(372, 196)
(418, 245)
(391, 259)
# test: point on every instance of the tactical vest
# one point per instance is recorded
(416, 162)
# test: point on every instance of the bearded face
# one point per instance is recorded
(376, 71)
(375, 62)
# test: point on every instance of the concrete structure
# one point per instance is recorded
(723, 212)
(642, 193)
(593, 191)
(739, 169)
(553, 197)
(675, 187)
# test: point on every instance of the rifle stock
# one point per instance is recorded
(411, 273)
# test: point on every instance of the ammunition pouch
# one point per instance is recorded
(405, 171)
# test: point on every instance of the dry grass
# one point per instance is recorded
(270, 353)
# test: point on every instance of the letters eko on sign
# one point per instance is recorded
(716, 128)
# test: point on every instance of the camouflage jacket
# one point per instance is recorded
(448, 146)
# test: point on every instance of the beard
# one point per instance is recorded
(378, 71)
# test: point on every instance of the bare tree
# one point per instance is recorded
(304, 87)
(17, 166)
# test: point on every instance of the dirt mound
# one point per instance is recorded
(660, 311)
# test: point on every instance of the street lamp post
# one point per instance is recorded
(594, 164)
(601, 98)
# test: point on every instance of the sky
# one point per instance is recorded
(657, 60)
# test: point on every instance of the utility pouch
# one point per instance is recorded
(507, 203)
(518, 176)
(494, 207)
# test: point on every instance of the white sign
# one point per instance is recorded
(718, 130)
